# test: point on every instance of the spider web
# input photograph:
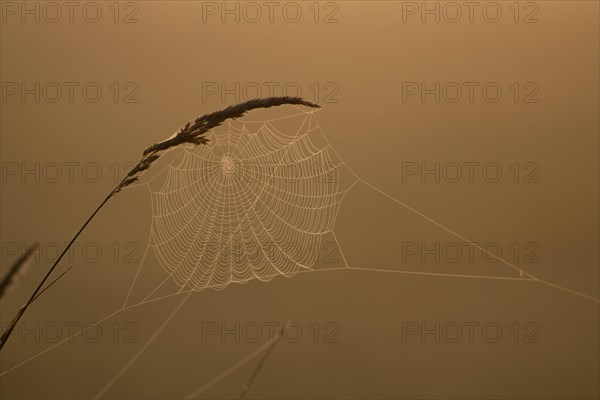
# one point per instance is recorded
(254, 204)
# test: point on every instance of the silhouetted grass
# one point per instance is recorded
(192, 132)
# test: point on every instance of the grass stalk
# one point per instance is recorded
(192, 133)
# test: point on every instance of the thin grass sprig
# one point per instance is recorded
(193, 132)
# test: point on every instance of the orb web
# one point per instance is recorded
(253, 204)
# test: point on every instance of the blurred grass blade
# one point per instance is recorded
(263, 360)
(16, 270)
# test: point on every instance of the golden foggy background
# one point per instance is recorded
(169, 55)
